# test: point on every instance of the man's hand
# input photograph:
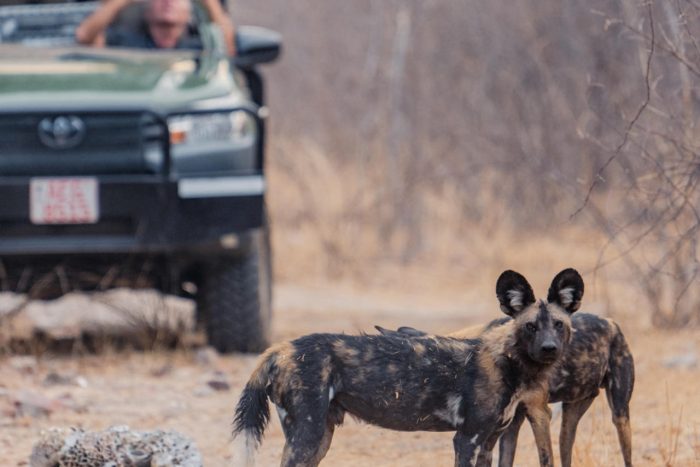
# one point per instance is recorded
(221, 18)
(92, 30)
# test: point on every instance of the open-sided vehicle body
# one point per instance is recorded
(135, 168)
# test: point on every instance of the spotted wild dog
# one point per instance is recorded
(427, 383)
(597, 357)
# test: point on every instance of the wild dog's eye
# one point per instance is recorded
(530, 327)
(558, 324)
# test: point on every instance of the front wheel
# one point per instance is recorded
(234, 299)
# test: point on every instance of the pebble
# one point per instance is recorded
(219, 385)
(218, 382)
(206, 356)
(31, 404)
(58, 379)
(24, 364)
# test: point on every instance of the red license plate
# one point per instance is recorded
(63, 200)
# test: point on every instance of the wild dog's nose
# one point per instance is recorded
(549, 347)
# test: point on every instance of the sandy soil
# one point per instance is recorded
(168, 390)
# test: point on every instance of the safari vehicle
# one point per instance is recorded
(135, 168)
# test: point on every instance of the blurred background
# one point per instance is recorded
(417, 148)
(455, 139)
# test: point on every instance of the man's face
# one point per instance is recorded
(167, 21)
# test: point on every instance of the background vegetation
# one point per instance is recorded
(432, 133)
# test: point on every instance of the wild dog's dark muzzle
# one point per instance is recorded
(547, 352)
(549, 348)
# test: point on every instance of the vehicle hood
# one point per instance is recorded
(87, 78)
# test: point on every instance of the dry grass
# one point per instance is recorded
(327, 228)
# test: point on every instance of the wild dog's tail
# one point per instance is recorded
(620, 383)
(253, 411)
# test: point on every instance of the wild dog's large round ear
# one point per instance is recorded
(514, 293)
(566, 290)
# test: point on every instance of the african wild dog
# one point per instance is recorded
(597, 357)
(428, 383)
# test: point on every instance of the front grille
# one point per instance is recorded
(124, 143)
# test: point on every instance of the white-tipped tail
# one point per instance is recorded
(244, 447)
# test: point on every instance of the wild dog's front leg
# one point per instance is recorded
(467, 448)
(509, 439)
(539, 416)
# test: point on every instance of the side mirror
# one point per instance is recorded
(256, 45)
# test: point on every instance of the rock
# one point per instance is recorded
(67, 401)
(206, 356)
(119, 312)
(30, 404)
(57, 379)
(111, 447)
(162, 371)
(25, 364)
(218, 385)
(218, 382)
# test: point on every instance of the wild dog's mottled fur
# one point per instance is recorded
(429, 383)
(597, 357)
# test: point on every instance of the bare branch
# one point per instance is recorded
(599, 175)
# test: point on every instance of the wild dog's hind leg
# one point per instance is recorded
(624, 434)
(571, 414)
(308, 435)
(306, 444)
(485, 457)
(618, 388)
(467, 448)
(621, 418)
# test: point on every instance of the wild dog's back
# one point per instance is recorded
(382, 380)
(392, 382)
(597, 346)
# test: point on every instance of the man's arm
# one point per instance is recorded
(92, 30)
(220, 17)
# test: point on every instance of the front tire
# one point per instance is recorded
(234, 299)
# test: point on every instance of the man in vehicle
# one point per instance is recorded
(165, 21)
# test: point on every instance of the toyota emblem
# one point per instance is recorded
(61, 132)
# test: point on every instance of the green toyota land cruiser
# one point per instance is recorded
(135, 168)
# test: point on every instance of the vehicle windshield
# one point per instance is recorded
(47, 23)
(52, 23)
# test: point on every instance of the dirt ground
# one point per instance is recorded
(169, 390)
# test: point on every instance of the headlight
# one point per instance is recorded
(236, 127)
